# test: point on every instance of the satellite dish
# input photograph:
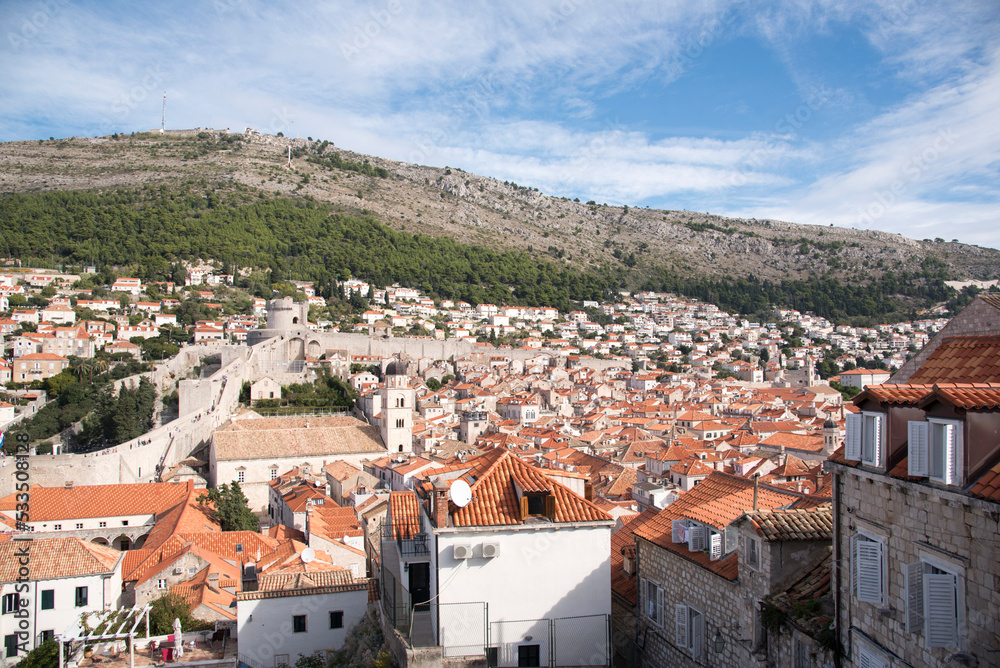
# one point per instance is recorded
(460, 493)
(308, 555)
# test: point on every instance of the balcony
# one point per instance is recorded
(410, 538)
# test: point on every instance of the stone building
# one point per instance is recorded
(699, 599)
(254, 451)
(917, 485)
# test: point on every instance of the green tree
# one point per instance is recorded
(231, 508)
(166, 609)
(45, 655)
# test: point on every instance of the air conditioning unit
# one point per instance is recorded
(491, 550)
(462, 551)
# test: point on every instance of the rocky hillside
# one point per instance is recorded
(481, 210)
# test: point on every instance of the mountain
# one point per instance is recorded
(635, 247)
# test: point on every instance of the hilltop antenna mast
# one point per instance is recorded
(289, 155)
(163, 119)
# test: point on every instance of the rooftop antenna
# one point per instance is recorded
(163, 119)
(289, 155)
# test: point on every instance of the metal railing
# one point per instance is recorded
(410, 538)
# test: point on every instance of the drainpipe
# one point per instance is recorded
(756, 477)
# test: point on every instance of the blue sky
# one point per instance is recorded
(861, 114)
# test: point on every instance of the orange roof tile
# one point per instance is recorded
(62, 503)
(988, 485)
(50, 558)
(969, 359)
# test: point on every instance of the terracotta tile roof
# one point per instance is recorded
(298, 581)
(717, 501)
(793, 525)
(988, 485)
(280, 532)
(61, 503)
(968, 396)
(56, 558)
(492, 477)
(801, 442)
(969, 359)
(622, 542)
(908, 394)
(334, 522)
(292, 437)
(404, 508)
(837, 457)
(691, 467)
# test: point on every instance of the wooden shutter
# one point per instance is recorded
(869, 570)
(913, 574)
(918, 450)
(550, 506)
(715, 545)
(680, 625)
(940, 610)
(852, 437)
(697, 634)
(524, 508)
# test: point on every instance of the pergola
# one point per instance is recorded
(106, 626)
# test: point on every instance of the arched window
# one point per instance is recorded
(295, 320)
(399, 402)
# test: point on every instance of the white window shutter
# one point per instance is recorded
(940, 609)
(869, 570)
(676, 529)
(918, 448)
(878, 445)
(913, 574)
(852, 437)
(868, 660)
(949, 434)
(715, 546)
(697, 635)
(854, 564)
(696, 538)
(680, 625)
(659, 607)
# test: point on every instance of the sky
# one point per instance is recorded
(864, 114)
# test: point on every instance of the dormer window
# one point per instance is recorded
(538, 504)
(934, 450)
(865, 438)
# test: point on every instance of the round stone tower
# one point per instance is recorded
(285, 314)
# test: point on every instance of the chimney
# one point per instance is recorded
(69, 484)
(441, 504)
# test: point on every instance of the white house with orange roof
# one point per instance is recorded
(511, 548)
(67, 578)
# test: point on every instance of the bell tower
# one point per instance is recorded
(398, 403)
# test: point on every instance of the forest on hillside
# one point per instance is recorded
(144, 232)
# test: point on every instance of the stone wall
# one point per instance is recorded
(914, 519)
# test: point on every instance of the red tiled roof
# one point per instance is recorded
(988, 485)
(970, 359)
(908, 394)
(405, 513)
(973, 396)
(50, 558)
(62, 503)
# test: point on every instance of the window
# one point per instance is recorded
(932, 603)
(48, 599)
(753, 553)
(337, 619)
(124, 523)
(934, 449)
(11, 603)
(79, 525)
(10, 645)
(867, 568)
(274, 473)
(298, 623)
(400, 423)
(865, 438)
(529, 655)
(48, 634)
(81, 597)
(240, 476)
(536, 504)
(239, 548)
(57, 527)
(102, 525)
(689, 630)
(161, 584)
(869, 659)
(802, 659)
(652, 602)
